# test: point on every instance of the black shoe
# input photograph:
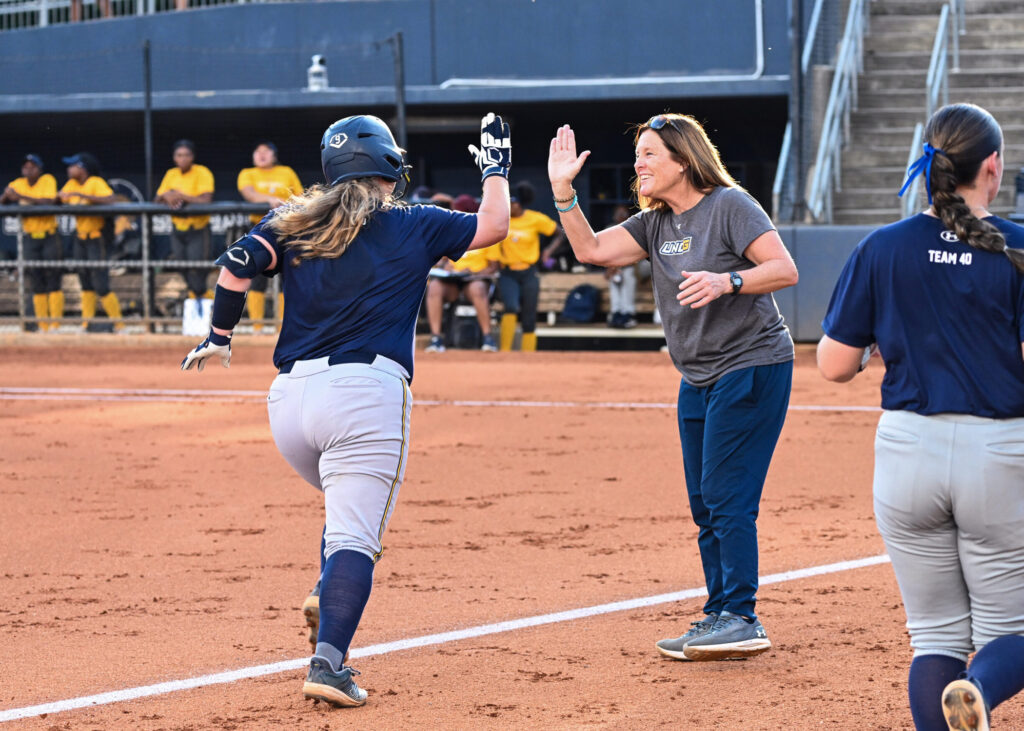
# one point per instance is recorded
(338, 689)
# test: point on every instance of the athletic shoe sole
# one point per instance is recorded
(728, 650)
(329, 694)
(675, 654)
(311, 611)
(964, 707)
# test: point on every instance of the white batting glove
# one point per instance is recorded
(494, 156)
(868, 352)
(214, 345)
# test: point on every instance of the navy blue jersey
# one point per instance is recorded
(367, 300)
(948, 318)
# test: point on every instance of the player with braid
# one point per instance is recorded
(942, 295)
(354, 263)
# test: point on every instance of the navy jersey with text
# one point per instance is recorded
(948, 318)
(368, 299)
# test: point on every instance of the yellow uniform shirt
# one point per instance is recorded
(279, 181)
(88, 227)
(196, 181)
(477, 260)
(45, 187)
(522, 247)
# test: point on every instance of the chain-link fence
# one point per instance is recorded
(135, 255)
(19, 14)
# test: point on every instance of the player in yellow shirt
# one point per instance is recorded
(85, 187)
(34, 188)
(187, 183)
(472, 274)
(519, 285)
(266, 182)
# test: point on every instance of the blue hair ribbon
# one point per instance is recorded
(921, 165)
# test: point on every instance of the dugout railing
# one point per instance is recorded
(145, 218)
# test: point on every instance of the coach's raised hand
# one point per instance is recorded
(494, 156)
(214, 345)
(563, 162)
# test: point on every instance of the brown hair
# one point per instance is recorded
(323, 221)
(965, 135)
(688, 144)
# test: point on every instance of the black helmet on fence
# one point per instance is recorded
(362, 147)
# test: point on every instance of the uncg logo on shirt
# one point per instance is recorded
(338, 140)
(676, 247)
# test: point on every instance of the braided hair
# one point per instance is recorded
(965, 135)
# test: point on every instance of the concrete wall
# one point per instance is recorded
(820, 253)
(527, 49)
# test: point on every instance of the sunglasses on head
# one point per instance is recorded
(660, 121)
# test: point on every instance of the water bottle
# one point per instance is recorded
(317, 73)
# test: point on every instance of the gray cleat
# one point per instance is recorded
(731, 636)
(338, 689)
(674, 647)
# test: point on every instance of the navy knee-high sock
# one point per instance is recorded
(344, 591)
(929, 674)
(999, 669)
(323, 547)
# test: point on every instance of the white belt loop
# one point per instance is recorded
(303, 368)
(389, 366)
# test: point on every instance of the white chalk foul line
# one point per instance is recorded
(11, 393)
(230, 676)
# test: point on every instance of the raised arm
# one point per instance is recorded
(612, 247)
(494, 158)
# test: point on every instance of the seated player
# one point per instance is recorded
(472, 275)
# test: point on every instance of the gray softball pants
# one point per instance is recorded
(949, 502)
(345, 429)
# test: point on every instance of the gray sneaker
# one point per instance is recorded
(311, 611)
(731, 636)
(674, 647)
(338, 689)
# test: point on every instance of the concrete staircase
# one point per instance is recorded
(892, 98)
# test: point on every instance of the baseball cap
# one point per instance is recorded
(34, 159)
(422, 194)
(466, 203)
(86, 159)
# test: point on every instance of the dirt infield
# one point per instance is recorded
(151, 534)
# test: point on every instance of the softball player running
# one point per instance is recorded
(354, 265)
(726, 337)
(946, 309)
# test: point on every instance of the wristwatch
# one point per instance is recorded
(736, 281)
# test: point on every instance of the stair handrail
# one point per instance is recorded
(908, 203)
(842, 99)
(937, 81)
(782, 169)
(951, 26)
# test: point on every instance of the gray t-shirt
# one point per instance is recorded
(732, 332)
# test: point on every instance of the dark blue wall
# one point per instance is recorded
(261, 52)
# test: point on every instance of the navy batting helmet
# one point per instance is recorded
(361, 147)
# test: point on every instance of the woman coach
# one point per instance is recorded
(716, 259)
